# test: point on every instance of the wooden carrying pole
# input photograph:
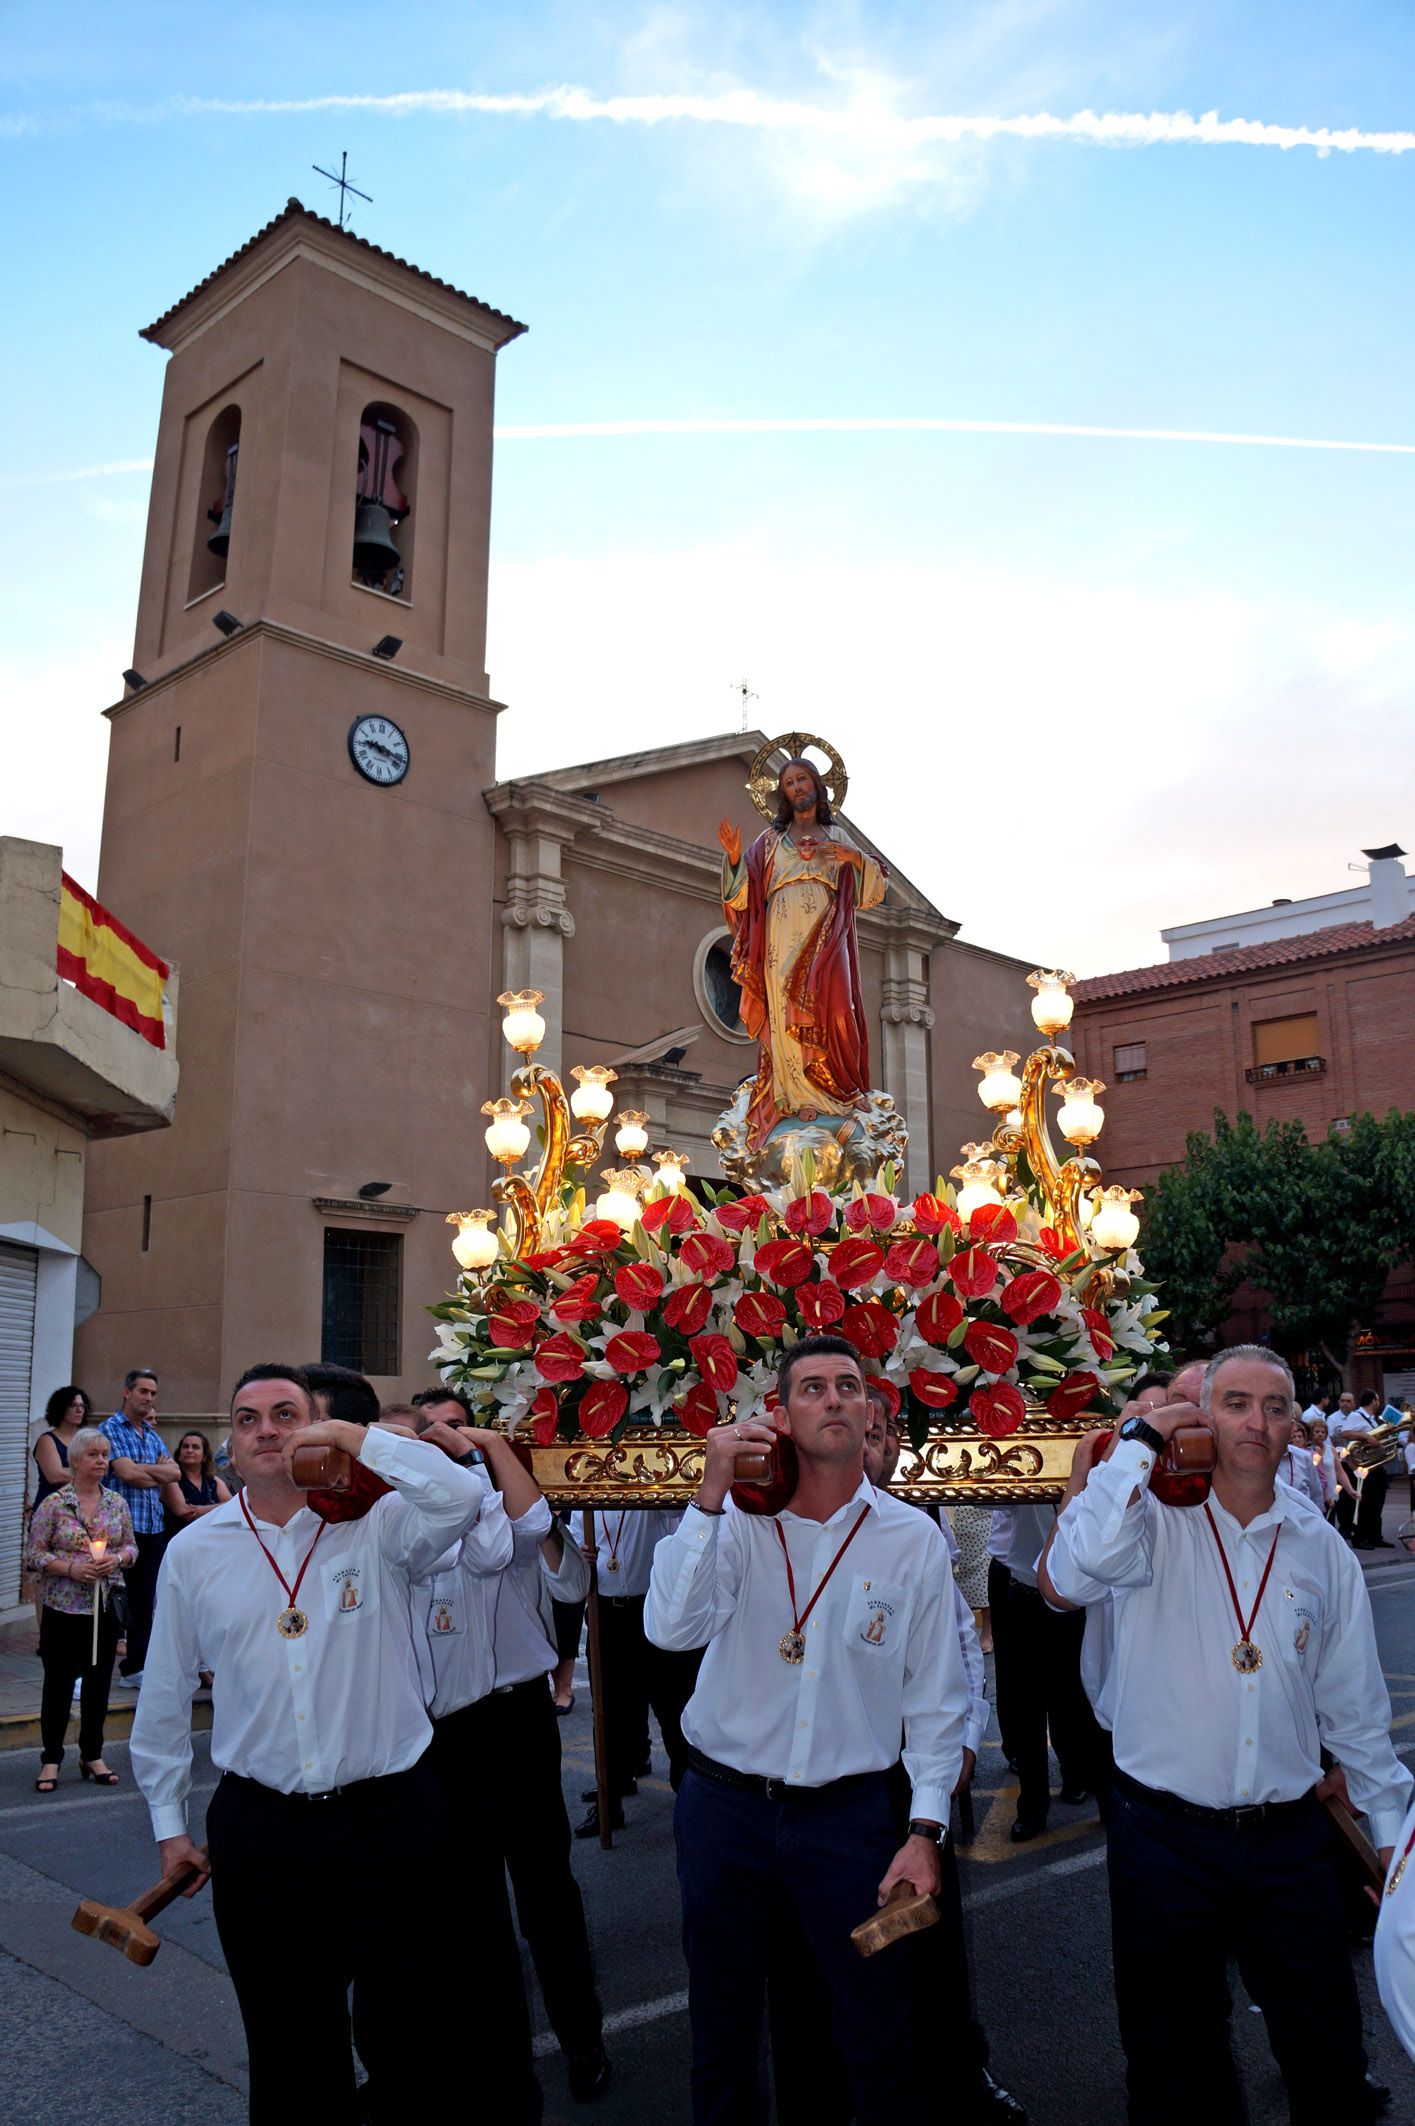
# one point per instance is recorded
(126, 1927)
(603, 1798)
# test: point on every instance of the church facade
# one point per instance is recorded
(302, 803)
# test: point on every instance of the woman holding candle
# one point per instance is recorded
(80, 1539)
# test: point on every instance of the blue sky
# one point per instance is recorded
(1184, 668)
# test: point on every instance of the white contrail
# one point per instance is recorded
(84, 472)
(911, 424)
(861, 121)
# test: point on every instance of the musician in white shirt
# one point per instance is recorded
(828, 1627)
(326, 1831)
(1243, 1644)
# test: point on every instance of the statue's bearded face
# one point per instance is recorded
(798, 787)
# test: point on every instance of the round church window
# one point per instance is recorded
(719, 998)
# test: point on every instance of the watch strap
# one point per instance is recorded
(1136, 1428)
(934, 1832)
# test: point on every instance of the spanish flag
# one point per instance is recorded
(106, 962)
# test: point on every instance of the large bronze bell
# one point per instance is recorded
(374, 551)
(220, 514)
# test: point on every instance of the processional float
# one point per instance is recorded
(608, 1324)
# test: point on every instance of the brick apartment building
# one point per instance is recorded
(1310, 1024)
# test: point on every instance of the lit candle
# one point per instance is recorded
(97, 1545)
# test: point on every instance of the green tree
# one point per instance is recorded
(1315, 1229)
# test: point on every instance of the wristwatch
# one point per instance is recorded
(1136, 1428)
(934, 1832)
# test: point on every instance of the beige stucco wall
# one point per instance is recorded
(41, 1168)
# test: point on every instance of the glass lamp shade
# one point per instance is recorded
(973, 1195)
(523, 1025)
(591, 1100)
(475, 1244)
(1000, 1088)
(632, 1135)
(1080, 1119)
(1051, 1006)
(507, 1135)
(1115, 1224)
(618, 1204)
(672, 1170)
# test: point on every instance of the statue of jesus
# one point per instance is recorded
(791, 903)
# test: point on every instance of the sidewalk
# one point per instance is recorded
(21, 1682)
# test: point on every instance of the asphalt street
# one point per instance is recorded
(89, 2034)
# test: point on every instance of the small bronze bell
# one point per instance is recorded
(220, 512)
(374, 551)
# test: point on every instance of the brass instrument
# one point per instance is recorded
(1375, 1449)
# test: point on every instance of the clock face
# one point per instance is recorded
(378, 749)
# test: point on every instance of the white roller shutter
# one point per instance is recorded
(17, 1281)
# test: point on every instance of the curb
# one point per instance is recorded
(20, 1731)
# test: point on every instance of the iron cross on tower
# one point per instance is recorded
(743, 690)
(342, 181)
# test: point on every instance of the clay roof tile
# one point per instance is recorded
(1245, 959)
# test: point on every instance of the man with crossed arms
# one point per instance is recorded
(827, 1627)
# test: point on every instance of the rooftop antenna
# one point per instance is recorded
(342, 181)
(742, 687)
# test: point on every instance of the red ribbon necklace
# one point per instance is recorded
(292, 1623)
(1246, 1657)
(613, 1547)
(793, 1643)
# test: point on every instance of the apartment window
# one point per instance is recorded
(1129, 1062)
(1285, 1048)
(362, 1277)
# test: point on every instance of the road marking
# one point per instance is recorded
(43, 1810)
(626, 2019)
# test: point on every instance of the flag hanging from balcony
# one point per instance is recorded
(107, 963)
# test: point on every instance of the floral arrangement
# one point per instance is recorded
(689, 1312)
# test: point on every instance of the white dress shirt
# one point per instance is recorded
(521, 1621)
(1183, 1719)
(1299, 1470)
(882, 1647)
(1031, 1525)
(1000, 1539)
(626, 1538)
(1393, 1950)
(344, 1701)
(1098, 1640)
(451, 1633)
(974, 1666)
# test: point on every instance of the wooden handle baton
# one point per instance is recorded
(1360, 1844)
(126, 1927)
(906, 1912)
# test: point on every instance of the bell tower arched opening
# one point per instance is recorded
(216, 498)
(385, 493)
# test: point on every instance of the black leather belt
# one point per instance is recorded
(536, 1684)
(329, 1793)
(1245, 1818)
(773, 1789)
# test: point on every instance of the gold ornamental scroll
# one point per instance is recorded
(958, 1466)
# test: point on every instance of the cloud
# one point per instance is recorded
(110, 471)
(920, 424)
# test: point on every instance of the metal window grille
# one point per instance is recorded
(362, 1279)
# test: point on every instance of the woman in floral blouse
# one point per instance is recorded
(60, 1553)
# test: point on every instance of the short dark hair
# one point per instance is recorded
(350, 1397)
(403, 1410)
(1369, 1401)
(59, 1402)
(814, 1347)
(427, 1397)
(208, 1462)
(784, 813)
(131, 1379)
(269, 1370)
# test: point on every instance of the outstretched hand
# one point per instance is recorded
(731, 840)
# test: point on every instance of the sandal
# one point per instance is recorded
(43, 1785)
(98, 1772)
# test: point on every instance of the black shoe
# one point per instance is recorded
(591, 1793)
(1073, 1796)
(1377, 2097)
(590, 2074)
(992, 2105)
(1027, 1827)
(590, 1827)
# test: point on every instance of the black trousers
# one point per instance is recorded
(1039, 1691)
(1368, 1514)
(821, 1852)
(1187, 1894)
(1345, 1512)
(999, 1580)
(140, 1579)
(65, 1644)
(513, 1738)
(310, 1897)
(637, 1675)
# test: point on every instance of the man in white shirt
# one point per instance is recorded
(828, 1628)
(327, 1831)
(1372, 1484)
(1243, 1645)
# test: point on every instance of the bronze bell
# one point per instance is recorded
(374, 551)
(220, 513)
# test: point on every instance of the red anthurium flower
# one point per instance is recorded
(854, 1262)
(934, 1390)
(974, 1273)
(560, 1358)
(687, 1309)
(809, 1214)
(1102, 1342)
(990, 1347)
(785, 1262)
(716, 1360)
(760, 1314)
(1073, 1395)
(746, 1211)
(697, 1412)
(676, 1212)
(1026, 1298)
(543, 1417)
(631, 1350)
(598, 1236)
(1051, 1243)
(577, 1302)
(601, 1407)
(994, 1223)
(820, 1305)
(932, 1215)
(545, 1259)
(883, 1386)
(639, 1285)
(997, 1411)
(511, 1321)
(871, 1328)
(871, 1211)
(912, 1262)
(706, 1255)
(937, 1317)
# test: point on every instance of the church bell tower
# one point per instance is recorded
(294, 806)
